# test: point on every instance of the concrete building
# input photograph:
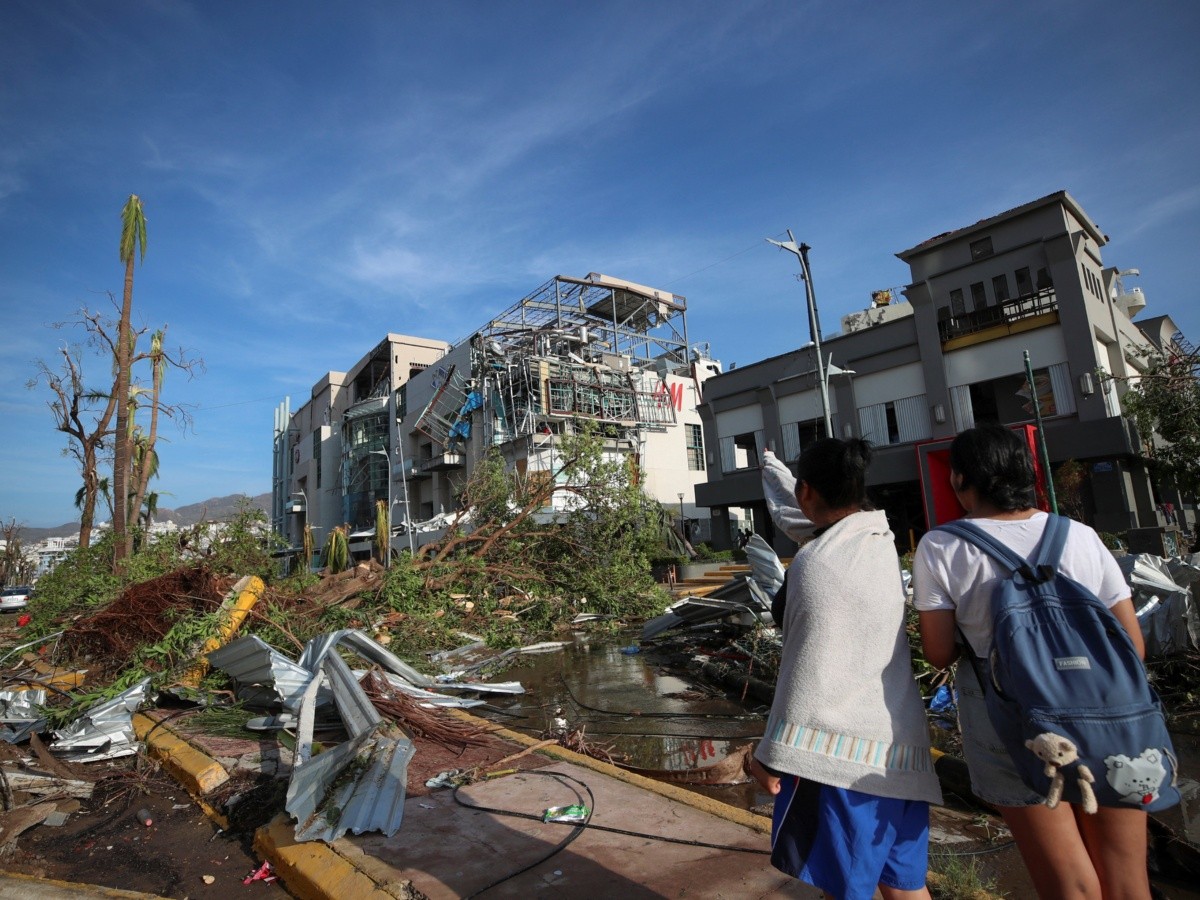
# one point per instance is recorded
(412, 419)
(332, 457)
(911, 373)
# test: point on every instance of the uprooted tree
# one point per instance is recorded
(580, 529)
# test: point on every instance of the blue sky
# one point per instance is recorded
(315, 175)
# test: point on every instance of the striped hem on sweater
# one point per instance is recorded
(878, 754)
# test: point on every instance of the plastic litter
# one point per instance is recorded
(143, 816)
(576, 812)
(262, 873)
(631, 650)
(443, 779)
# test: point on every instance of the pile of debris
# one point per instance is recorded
(372, 714)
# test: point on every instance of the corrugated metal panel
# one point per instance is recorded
(912, 419)
(249, 661)
(358, 713)
(371, 800)
(353, 639)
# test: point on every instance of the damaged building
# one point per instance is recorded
(408, 423)
(909, 374)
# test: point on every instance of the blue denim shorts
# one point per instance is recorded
(994, 778)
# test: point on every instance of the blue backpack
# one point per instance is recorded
(1064, 687)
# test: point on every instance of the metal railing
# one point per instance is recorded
(1027, 306)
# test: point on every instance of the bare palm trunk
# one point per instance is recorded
(121, 546)
(147, 464)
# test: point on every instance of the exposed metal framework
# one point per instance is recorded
(595, 348)
(597, 313)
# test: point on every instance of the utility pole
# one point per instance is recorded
(1044, 451)
(814, 323)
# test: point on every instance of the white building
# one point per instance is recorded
(413, 418)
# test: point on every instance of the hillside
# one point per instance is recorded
(212, 509)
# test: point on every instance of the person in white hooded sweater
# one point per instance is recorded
(846, 748)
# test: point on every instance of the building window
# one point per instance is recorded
(978, 296)
(956, 303)
(1044, 281)
(798, 436)
(695, 447)
(981, 248)
(1000, 288)
(741, 451)
(1006, 400)
(316, 453)
(899, 421)
(1024, 285)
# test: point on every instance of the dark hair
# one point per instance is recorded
(837, 471)
(995, 462)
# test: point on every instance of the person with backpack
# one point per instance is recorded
(846, 748)
(1077, 849)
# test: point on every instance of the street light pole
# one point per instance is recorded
(814, 323)
(680, 509)
(404, 481)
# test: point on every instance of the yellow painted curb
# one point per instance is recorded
(78, 889)
(706, 804)
(314, 870)
(198, 772)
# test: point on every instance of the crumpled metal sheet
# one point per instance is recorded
(251, 661)
(359, 785)
(353, 639)
(372, 799)
(1165, 608)
(21, 706)
(103, 732)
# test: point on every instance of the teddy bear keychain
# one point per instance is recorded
(1057, 753)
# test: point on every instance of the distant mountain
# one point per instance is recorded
(214, 509)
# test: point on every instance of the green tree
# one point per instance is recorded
(582, 529)
(1164, 402)
(133, 245)
(1069, 481)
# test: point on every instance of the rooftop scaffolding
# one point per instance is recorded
(597, 314)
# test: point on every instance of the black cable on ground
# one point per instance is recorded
(576, 832)
(589, 826)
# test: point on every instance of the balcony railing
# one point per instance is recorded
(1005, 313)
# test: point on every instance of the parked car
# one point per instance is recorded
(14, 598)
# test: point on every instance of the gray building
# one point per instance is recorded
(910, 374)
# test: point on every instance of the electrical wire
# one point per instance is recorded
(554, 851)
(588, 826)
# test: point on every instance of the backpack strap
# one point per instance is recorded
(973, 534)
(1050, 547)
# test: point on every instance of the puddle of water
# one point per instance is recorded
(625, 699)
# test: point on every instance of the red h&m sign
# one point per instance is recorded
(676, 392)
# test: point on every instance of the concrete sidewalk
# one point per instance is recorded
(446, 849)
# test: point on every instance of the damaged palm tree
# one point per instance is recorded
(337, 551)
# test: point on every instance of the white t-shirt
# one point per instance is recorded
(949, 573)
